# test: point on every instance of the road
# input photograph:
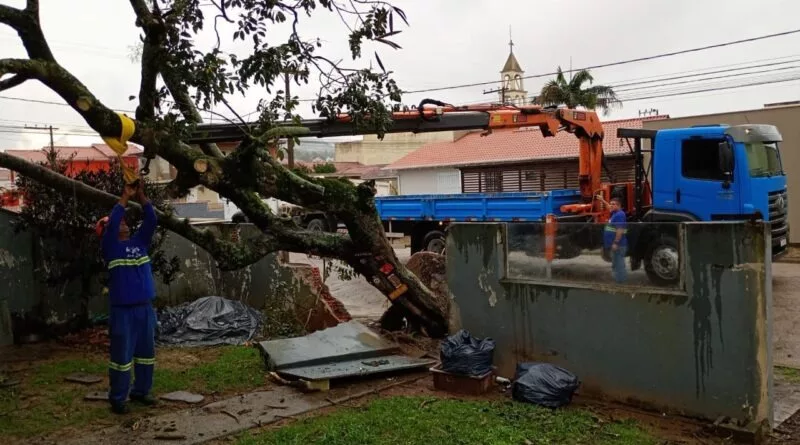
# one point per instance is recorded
(364, 302)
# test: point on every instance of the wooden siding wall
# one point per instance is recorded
(537, 177)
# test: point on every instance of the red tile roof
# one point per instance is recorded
(511, 145)
(95, 152)
(347, 169)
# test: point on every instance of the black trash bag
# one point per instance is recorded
(464, 354)
(208, 321)
(544, 384)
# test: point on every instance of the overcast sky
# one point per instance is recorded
(452, 42)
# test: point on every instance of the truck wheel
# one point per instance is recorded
(663, 262)
(434, 242)
(317, 225)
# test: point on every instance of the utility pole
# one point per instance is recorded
(570, 68)
(650, 112)
(502, 92)
(289, 140)
(52, 145)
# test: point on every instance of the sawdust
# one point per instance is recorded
(431, 269)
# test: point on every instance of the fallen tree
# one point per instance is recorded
(179, 78)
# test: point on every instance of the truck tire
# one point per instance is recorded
(663, 261)
(434, 242)
(317, 225)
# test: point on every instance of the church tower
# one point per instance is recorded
(512, 90)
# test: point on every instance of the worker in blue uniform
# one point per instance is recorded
(131, 289)
(615, 238)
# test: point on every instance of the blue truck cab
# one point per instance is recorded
(720, 172)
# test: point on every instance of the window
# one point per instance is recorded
(764, 159)
(492, 181)
(700, 160)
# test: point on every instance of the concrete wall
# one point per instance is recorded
(259, 285)
(785, 118)
(200, 276)
(18, 289)
(373, 151)
(703, 351)
(429, 181)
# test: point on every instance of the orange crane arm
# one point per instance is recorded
(433, 116)
(585, 125)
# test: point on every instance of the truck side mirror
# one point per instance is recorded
(726, 158)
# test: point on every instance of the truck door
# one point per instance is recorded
(701, 187)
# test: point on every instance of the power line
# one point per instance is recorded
(701, 71)
(617, 84)
(617, 63)
(657, 96)
(683, 82)
(671, 88)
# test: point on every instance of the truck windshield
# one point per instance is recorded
(764, 159)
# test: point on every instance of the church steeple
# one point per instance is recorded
(512, 90)
(511, 62)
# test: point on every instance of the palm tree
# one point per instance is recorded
(571, 93)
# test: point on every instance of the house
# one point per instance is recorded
(509, 160)
(385, 182)
(8, 198)
(90, 158)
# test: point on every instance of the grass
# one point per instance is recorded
(45, 403)
(411, 421)
(790, 375)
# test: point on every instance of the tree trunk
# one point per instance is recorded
(379, 264)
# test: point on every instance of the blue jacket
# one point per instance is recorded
(130, 275)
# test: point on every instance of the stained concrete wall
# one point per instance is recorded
(264, 282)
(200, 276)
(19, 289)
(703, 351)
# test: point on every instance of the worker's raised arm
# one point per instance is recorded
(148, 228)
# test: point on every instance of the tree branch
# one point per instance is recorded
(13, 81)
(26, 23)
(12, 17)
(32, 6)
(153, 32)
(188, 109)
(230, 256)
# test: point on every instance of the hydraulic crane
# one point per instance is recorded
(433, 116)
(702, 173)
